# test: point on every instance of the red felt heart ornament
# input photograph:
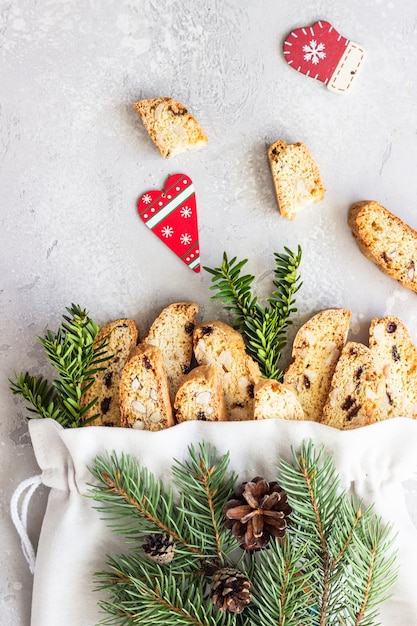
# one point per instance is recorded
(172, 215)
(320, 52)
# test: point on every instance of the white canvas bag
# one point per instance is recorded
(372, 463)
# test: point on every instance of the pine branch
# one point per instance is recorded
(263, 328)
(206, 488)
(135, 504)
(334, 566)
(281, 591)
(76, 357)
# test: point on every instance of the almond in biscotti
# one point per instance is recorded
(122, 336)
(391, 341)
(218, 344)
(201, 396)
(357, 392)
(316, 349)
(144, 394)
(170, 125)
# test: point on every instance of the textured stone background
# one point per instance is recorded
(74, 157)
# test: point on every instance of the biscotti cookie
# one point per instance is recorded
(357, 392)
(218, 344)
(121, 336)
(200, 396)
(390, 340)
(171, 127)
(386, 240)
(172, 332)
(316, 348)
(276, 400)
(144, 394)
(297, 179)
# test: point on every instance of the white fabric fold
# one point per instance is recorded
(372, 463)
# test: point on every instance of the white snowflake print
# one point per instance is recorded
(167, 231)
(146, 199)
(185, 239)
(314, 52)
(186, 212)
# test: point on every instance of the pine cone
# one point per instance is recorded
(230, 590)
(159, 547)
(258, 511)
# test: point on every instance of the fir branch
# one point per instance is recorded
(281, 591)
(340, 538)
(263, 328)
(205, 486)
(135, 504)
(76, 357)
(335, 565)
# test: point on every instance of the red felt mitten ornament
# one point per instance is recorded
(320, 52)
(172, 215)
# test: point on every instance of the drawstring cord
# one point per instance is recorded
(20, 516)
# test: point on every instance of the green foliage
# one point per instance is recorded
(76, 357)
(263, 328)
(335, 565)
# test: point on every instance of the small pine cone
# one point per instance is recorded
(230, 590)
(159, 547)
(258, 511)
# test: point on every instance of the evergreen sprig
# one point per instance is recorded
(335, 565)
(263, 327)
(76, 357)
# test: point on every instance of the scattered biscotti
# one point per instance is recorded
(390, 340)
(218, 344)
(201, 396)
(357, 393)
(172, 332)
(297, 179)
(170, 125)
(144, 393)
(316, 349)
(273, 399)
(121, 337)
(386, 240)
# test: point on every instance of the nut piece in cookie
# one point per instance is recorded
(200, 396)
(144, 395)
(122, 336)
(170, 125)
(297, 179)
(172, 331)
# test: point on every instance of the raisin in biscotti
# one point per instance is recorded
(297, 179)
(386, 240)
(200, 396)
(390, 340)
(171, 127)
(276, 400)
(172, 332)
(357, 393)
(316, 348)
(220, 345)
(121, 336)
(144, 394)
